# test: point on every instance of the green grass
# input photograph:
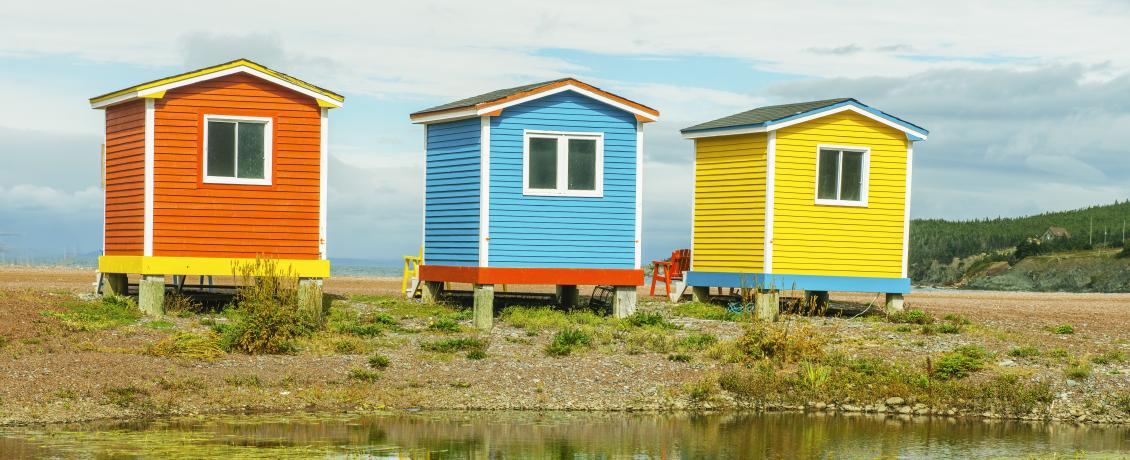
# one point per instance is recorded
(247, 380)
(445, 324)
(379, 361)
(1024, 352)
(566, 341)
(960, 320)
(345, 320)
(1110, 357)
(363, 375)
(455, 344)
(400, 307)
(127, 397)
(705, 311)
(912, 316)
(542, 319)
(1063, 329)
(94, 315)
(645, 319)
(680, 357)
(696, 342)
(1079, 370)
(159, 324)
(960, 362)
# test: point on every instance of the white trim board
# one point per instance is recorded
(150, 158)
(268, 150)
(770, 195)
(864, 179)
(562, 188)
(323, 186)
(177, 84)
(906, 206)
(484, 192)
(787, 123)
(471, 111)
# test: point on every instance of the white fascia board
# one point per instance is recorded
(724, 132)
(472, 112)
(849, 107)
(446, 116)
(197, 79)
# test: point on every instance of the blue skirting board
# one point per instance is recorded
(784, 281)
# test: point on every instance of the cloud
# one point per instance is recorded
(838, 51)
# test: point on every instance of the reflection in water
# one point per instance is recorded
(441, 435)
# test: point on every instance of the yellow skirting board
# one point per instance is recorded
(214, 266)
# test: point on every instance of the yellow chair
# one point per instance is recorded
(410, 284)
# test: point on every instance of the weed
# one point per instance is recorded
(679, 358)
(249, 380)
(186, 345)
(159, 325)
(536, 320)
(453, 345)
(364, 375)
(705, 311)
(1122, 402)
(1078, 370)
(649, 339)
(350, 322)
(1064, 329)
(960, 320)
(182, 305)
(567, 340)
(192, 384)
(70, 394)
(867, 366)
(1024, 352)
(268, 317)
(696, 342)
(379, 361)
(929, 329)
(105, 313)
(949, 328)
(782, 343)
(814, 376)
(127, 397)
(645, 319)
(1113, 356)
(444, 324)
(346, 347)
(702, 391)
(903, 328)
(913, 316)
(476, 354)
(959, 363)
(4, 341)
(1059, 353)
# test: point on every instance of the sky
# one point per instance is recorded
(1027, 102)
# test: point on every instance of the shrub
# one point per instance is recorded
(913, 316)
(363, 375)
(959, 363)
(705, 311)
(1078, 370)
(1024, 352)
(445, 325)
(1064, 329)
(782, 343)
(453, 345)
(249, 380)
(267, 318)
(362, 325)
(643, 319)
(379, 361)
(186, 345)
(567, 340)
(106, 313)
(903, 328)
(702, 391)
(1004, 393)
(949, 328)
(476, 354)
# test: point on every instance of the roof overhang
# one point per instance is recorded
(494, 108)
(156, 89)
(914, 133)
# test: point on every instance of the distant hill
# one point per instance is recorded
(937, 241)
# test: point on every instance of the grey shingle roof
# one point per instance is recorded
(762, 115)
(487, 97)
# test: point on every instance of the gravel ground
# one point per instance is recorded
(51, 374)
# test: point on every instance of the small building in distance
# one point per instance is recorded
(811, 196)
(1055, 233)
(536, 184)
(213, 168)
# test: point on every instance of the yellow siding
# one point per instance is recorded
(815, 239)
(729, 203)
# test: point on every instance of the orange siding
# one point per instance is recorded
(125, 179)
(195, 219)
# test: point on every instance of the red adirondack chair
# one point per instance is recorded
(670, 270)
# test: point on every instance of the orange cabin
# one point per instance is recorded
(214, 166)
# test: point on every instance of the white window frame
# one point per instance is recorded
(268, 153)
(563, 164)
(865, 176)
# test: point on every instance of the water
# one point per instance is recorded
(443, 435)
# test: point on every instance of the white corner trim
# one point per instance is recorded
(150, 157)
(268, 150)
(865, 176)
(694, 185)
(484, 192)
(208, 76)
(424, 201)
(562, 188)
(906, 206)
(639, 194)
(770, 193)
(323, 185)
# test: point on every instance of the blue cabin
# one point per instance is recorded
(538, 184)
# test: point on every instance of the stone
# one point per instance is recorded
(880, 408)
(850, 408)
(904, 410)
(1007, 363)
(820, 406)
(895, 401)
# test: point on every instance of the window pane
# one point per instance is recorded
(851, 182)
(543, 163)
(582, 164)
(251, 148)
(826, 175)
(221, 149)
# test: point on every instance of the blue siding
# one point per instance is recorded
(451, 205)
(563, 232)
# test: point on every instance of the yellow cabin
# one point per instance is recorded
(811, 196)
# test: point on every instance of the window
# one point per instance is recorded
(563, 164)
(841, 175)
(237, 150)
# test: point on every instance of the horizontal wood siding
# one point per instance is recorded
(125, 179)
(191, 218)
(451, 209)
(729, 203)
(563, 232)
(839, 240)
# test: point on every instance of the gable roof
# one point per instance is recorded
(774, 117)
(157, 88)
(492, 103)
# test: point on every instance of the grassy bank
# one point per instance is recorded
(65, 358)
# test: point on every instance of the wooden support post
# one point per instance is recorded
(700, 293)
(895, 302)
(767, 305)
(567, 295)
(114, 284)
(484, 306)
(430, 293)
(310, 296)
(816, 300)
(151, 295)
(624, 302)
